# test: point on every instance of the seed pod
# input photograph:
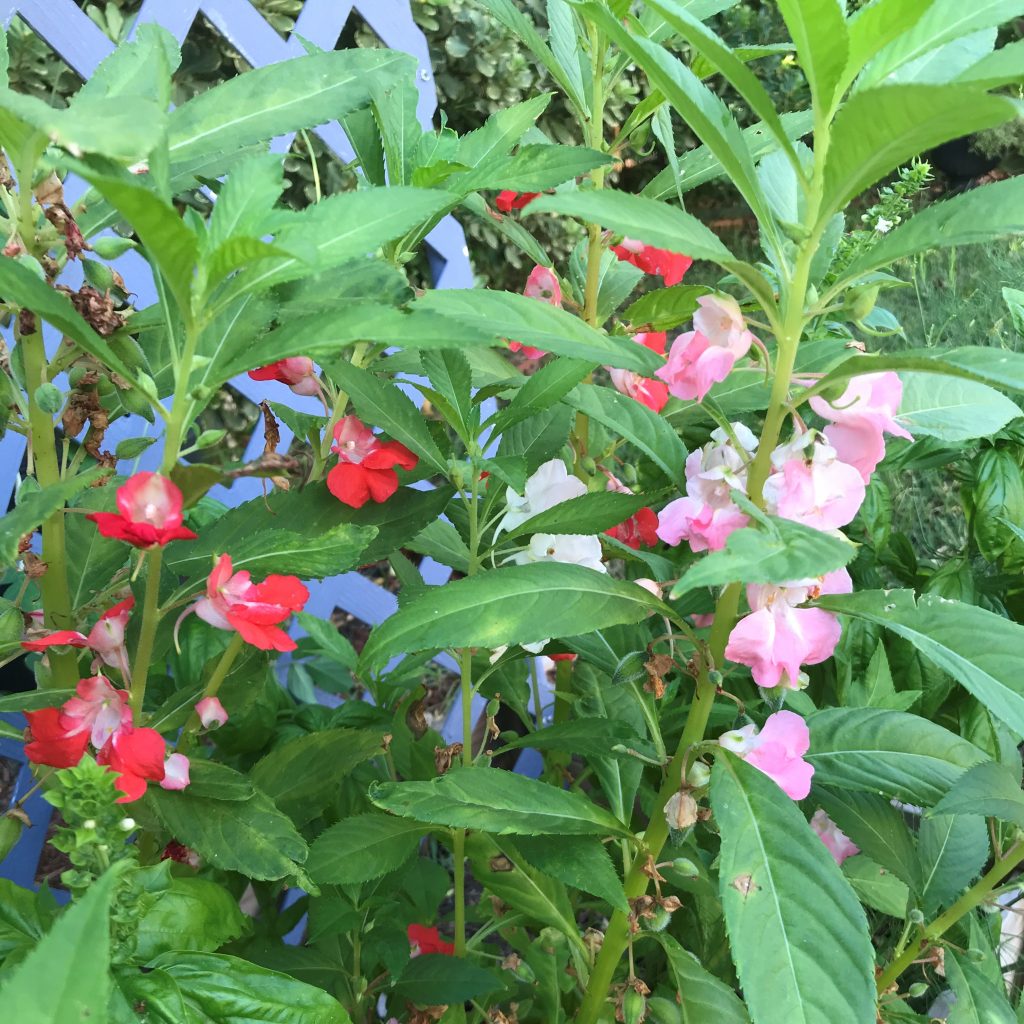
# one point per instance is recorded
(699, 775)
(49, 398)
(634, 1007)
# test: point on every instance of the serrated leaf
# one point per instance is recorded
(798, 936)
(879, 889)
(302, 775)
(979, 1000)
(581, 862)
(890, 752)
(363, 847)
(192, 914)
(952, 850)
(987, 789)
(952, 409)
(497, 802)
(589, 513)
(513, 604)
(433, 979)
(701, 998)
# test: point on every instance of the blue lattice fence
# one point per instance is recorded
(81, 44)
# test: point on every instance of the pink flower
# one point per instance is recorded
(838, 843)
(811, 486)
(703, 527)
(106, 638)
(695, 363)
(149, 513)
(777, 750)
(366, 464)
(720, 320)
(777, 637)
(98, 710)
(175, 772)
(645, 390)
(254, 610)
(211, 713)
(298, 372)
(860, 416)
(542, 284)
(671, 266)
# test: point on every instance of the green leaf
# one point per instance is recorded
(249, 836)
(700, 997)
(293, 775)
(875, 26)
(382, 404)
(878, 129)
(500, 315)
(976, 647)
(192, 914)
(227, 990)
(542, 390)
(818, 29)
(581, 862)
(498, 802)
(20, 287)
(780, 551)
(534, 168)
(588, 737)
(649, 220)
(511, 605)
(876, 827)
(328, 640)
(952, 409)
(363, 847)
(219, 782)
(536, 438)
(270, 101)
(434, 980)
(306, 554)
(33, 700)
(541, 898)
(889, 752)
(798, 936)
(941, 22)
(979, 999)
(450, 374)
(588, 513)
(996, 211)
(1003, 66)
(441, 541)
(501, 131)
(988, 789)
(879, 889)
(65, 979)
(37, 507)
(665, 308)
(649, 431)
(953, 850)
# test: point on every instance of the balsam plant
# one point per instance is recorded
(775, 786)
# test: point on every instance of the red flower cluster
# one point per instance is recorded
(508, 200)
(427, 940)
(639, 528)
(671, 266)
(366, 465)
(148, 513)
(99, 714)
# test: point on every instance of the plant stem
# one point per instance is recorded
(54, 582)
(974, 897)
(147, 632)
(459, 873)
(227, 659)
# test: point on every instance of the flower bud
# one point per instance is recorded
(111, 247)
(681, 811)
(915, 916)
(918, 989)
(493, 706)
(208, 438)
(126, 824)
(634, 1007)
(89, 823)
(685, 867)
(699, 775)
(48, 397)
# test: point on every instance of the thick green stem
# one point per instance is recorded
(459, 873)
(147, 632)
(974, 897)
(54, 582)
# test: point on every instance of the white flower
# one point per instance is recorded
(883, 226)
(570, 548)
(550, 485)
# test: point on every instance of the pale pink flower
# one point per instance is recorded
(777, 750)
(99, 709)
(837, 841)
(860, 417)
(777, 637)
(720, 320)
(542, 284)
(650, 586)
(353, 440)
(298, 372)
(175, 772)
(106, 638)
(812, 486)
(703, 527)
(548, 486)
(211, 713)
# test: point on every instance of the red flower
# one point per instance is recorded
(181, 853)
(568, 656)
(62, 638)
(639, 528)
(508, 200)
(365, 469)
(50, 742)
(137, 755)
(427, 940)
(254, 610)
(149, 513)
(297, 372)
(671, 266)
